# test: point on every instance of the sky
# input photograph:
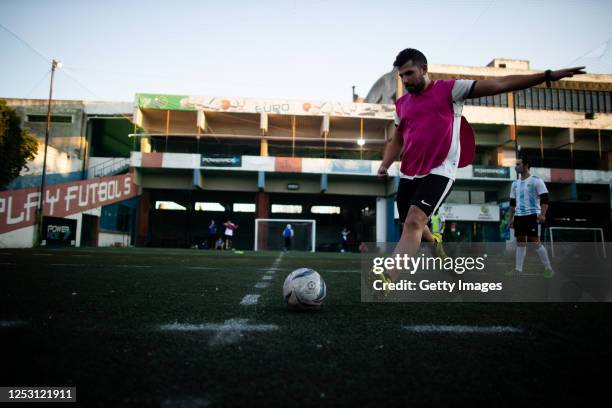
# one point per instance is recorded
(293, 49)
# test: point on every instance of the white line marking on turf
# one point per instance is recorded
(460, 329)
(262, 285)
(65, 264)
(135, 266)
(227, 333)
(80, 256)
(200, 267)
(11, 323)
(267, 277)
(249, 300)
(41, 254)
(185, 403)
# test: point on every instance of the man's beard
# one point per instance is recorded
(416, 89)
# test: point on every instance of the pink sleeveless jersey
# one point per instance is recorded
(426, 126)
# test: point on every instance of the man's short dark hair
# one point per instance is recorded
(417, 57)
(525, 161)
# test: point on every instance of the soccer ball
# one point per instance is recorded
(304, 289)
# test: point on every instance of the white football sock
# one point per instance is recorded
(543, 256)
(521, 252)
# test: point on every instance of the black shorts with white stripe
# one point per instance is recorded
(427, 193)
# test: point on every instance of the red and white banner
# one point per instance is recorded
(18, 207)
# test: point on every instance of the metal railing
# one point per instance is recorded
(110, 167)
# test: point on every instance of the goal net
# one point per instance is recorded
(562, 238)
(269, 234)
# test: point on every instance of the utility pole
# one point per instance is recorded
(54, 65)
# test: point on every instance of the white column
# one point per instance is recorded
(381, 219)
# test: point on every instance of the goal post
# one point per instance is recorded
(269, 234)
(561, 235)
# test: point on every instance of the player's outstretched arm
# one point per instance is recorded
(392, 151)
(494, 86)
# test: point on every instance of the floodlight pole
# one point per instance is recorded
(54, 65)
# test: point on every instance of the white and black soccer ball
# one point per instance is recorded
(304, 289)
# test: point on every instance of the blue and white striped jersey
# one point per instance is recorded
(527, 194)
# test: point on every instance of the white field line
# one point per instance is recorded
(185, 403)
(66, 264)
(134, 266)
(461, 329)
(262, 285)
(249, 300)
(267, 277)
(227, 333)
(11, 323)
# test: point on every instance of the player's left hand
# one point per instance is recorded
(566, 73)
(541, 219)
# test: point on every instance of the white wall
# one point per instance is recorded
(26, 237)
(57, 162)
(21, 238)
(108, 238)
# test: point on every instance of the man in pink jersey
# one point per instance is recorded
(428, 120)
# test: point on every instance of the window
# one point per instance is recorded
(548, 98)
(601, 101)
(588, 102)
(497, 100)
(574, 101)
(581, 101)
(477, 197)
(555, 99)
(504, 99)
(244, 207)
(458, 197)
(528, 103)
(608, 102)
(562, 99)
(286, 208)
(203, 206)
(325, 209)
(54, 118)
(168, 205)
(541, 98)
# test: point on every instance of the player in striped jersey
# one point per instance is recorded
(528, 206)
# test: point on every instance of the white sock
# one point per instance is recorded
(543, 256)
(521, 252)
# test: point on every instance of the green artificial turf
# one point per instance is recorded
(90, 318)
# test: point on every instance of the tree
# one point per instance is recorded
(17, 146)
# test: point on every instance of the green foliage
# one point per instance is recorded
(17, 146)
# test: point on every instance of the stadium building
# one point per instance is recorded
(170, 164)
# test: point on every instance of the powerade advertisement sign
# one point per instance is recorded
(221, 161)
(491, 172)
(59, 231)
